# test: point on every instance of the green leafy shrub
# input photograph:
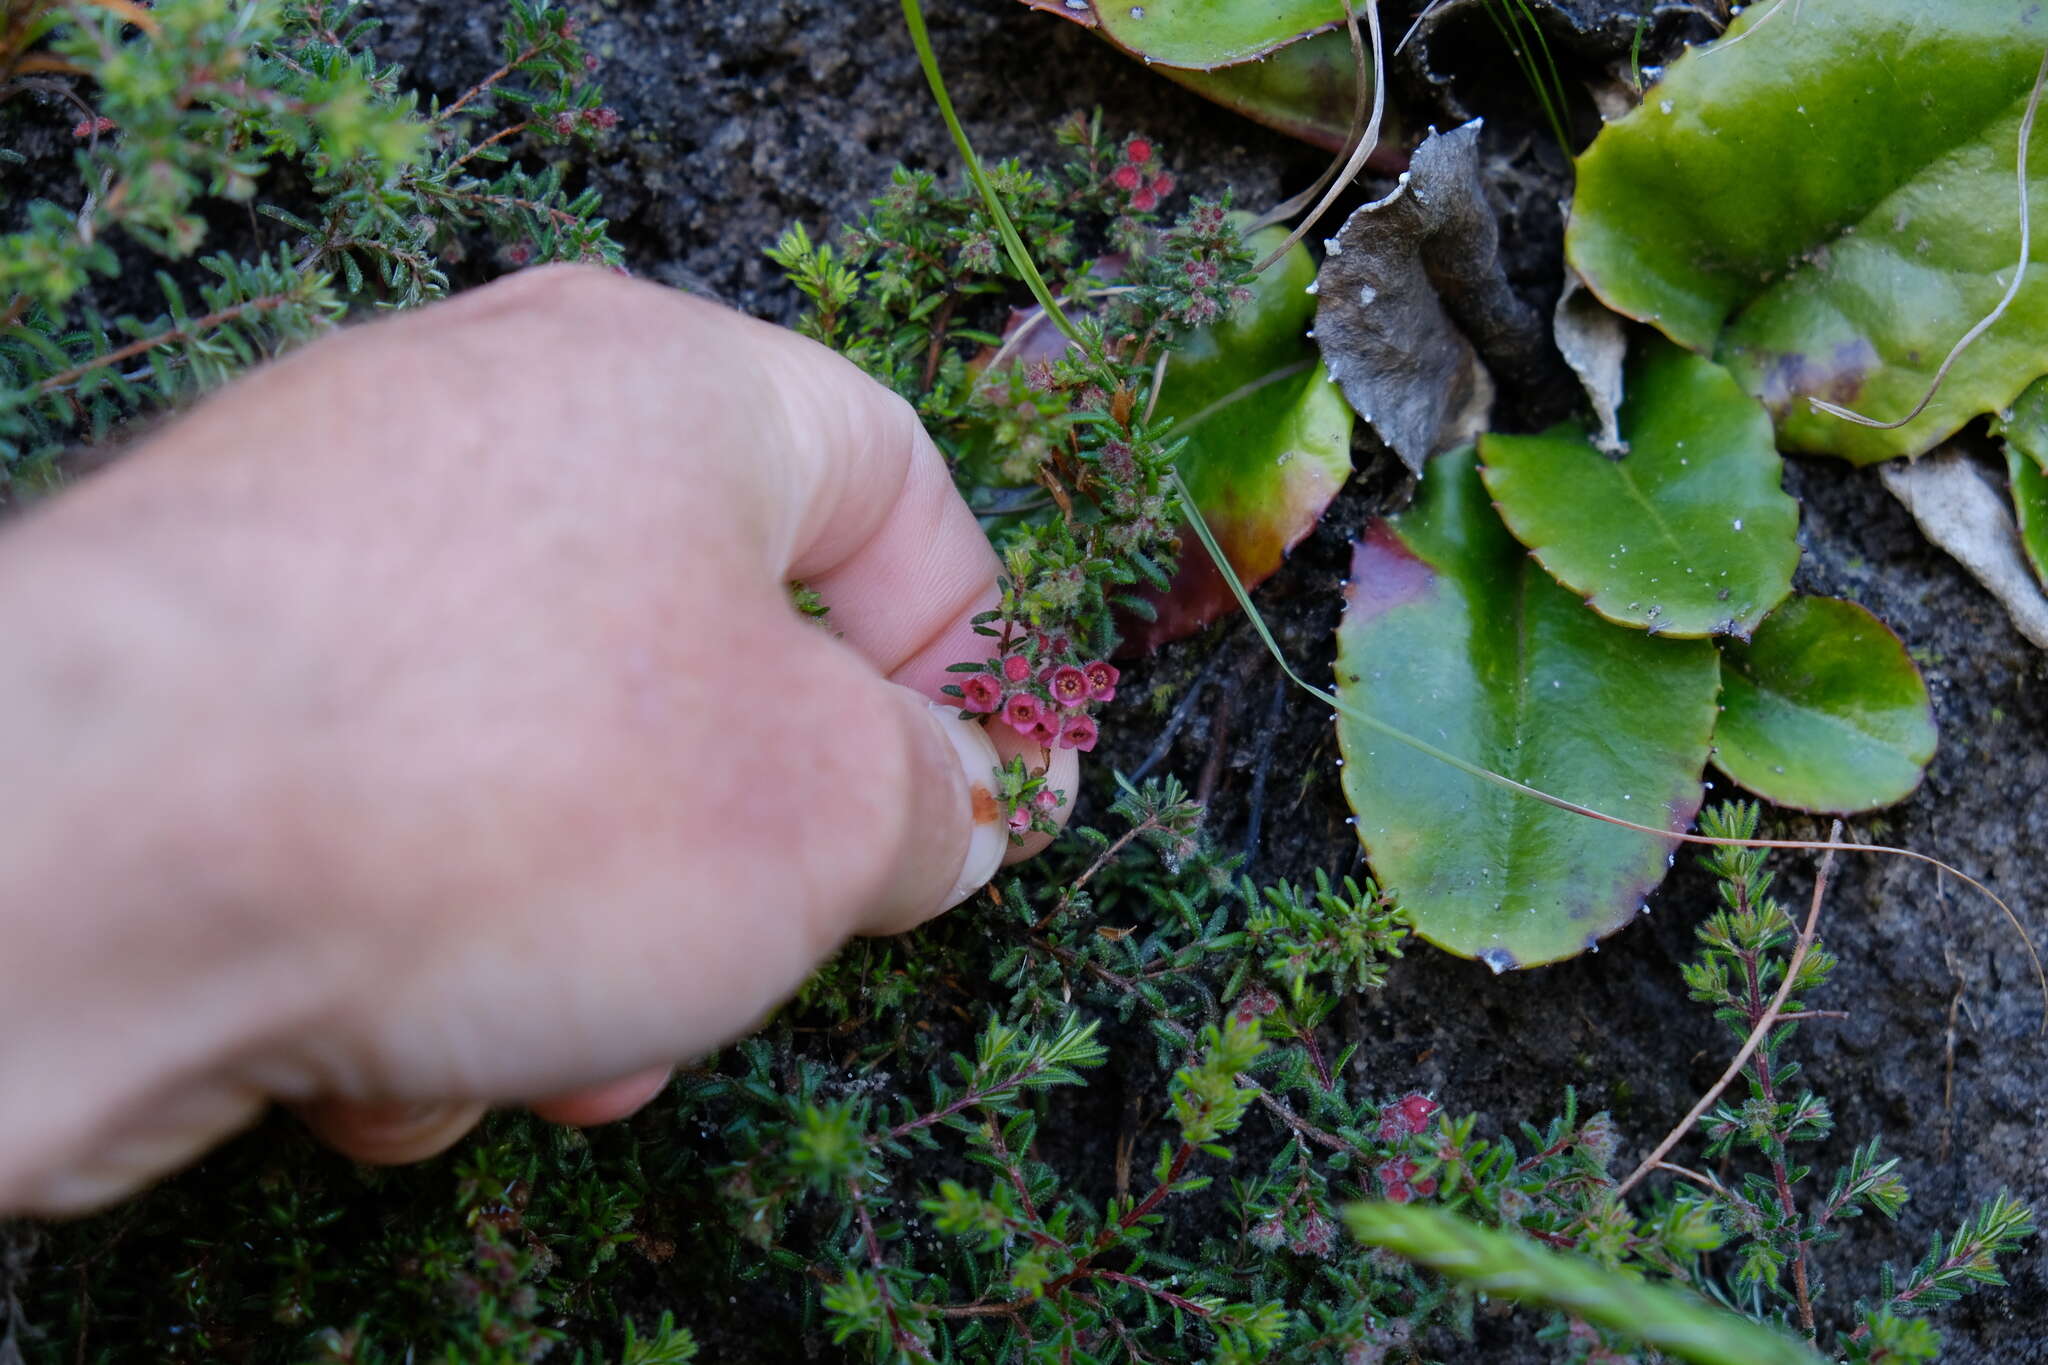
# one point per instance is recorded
(189, 109)
(897, 1150)
(1060, 455)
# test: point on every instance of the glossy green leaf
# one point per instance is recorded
(1823, 711)
(1683, 1326)
(1294, 70)
(1453, 633)
(2024, 425)
(2030, 509)
(1199, 33)
(1268, 440)
(1690, 533)
(1307, 90)
(2025, 429)
(1826, 201)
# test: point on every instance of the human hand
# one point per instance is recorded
(422, 723)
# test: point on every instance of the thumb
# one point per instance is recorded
(931, 806)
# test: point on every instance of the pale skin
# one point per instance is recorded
(420, 724)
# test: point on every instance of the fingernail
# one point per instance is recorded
(400, 1118)
(390, 1133)
(991, 837)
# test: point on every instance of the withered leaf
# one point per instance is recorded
(1412, 296)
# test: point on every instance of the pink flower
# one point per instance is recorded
(1020, 820)
(1256, 1003)
(1016, 668)
(1102, 677)
(1407, 1116)
(1318, 1234)
(1069, 685)
(1047, 731)
(1046, 799)
(604, 116)
(1598, 1139)
(1138, 149)
(1144, 200)
(1079, 733)
(1397, 1180)
(1022, 713)
(1162, 184)
(981, 693)
(1126, 178)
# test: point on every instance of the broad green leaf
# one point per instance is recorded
(1823, 711)
(1268, 440)
(1288, 65)
(1452, 633)
(1826, 201)
(1689, 533)
(1514, 1267)
(1307, 90)
(1199, 33)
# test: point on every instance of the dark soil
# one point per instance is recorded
(741, 118)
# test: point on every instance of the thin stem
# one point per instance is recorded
(1020, 256)
(1366, 144)
(872, 1243)
(1185, 1305)
(483, 86)
(1763, 1068)
(1361, 108)
(1700, 1178)
(1031, 321)
(974, 1095)
(511, 130)
(1764, 1025)
(1102, 860)
(1273, 1104)
(190, 331)
(507, 201)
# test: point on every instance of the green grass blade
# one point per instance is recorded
(1020, 256)
(1516, 1268)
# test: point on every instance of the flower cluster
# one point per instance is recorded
(569, 122)
(1201, 266)
(1407, 1116)
(1048, 702)
(1026, 801)
(1401, 1179)
(1398, 1182)
(1140, 176)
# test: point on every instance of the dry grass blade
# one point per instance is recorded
(1765, 18)
(1361, 110)
(1991, 318)
(1366, 142)
(1767, 1021)
(1431, 8)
